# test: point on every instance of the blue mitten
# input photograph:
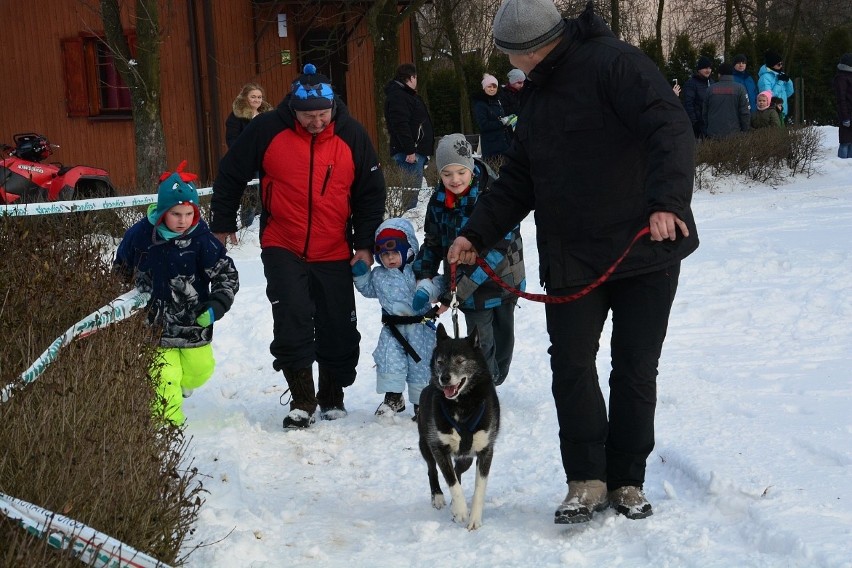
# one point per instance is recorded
(421, 298)
(360, 268)
(206, 318)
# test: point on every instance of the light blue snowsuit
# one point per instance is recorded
(395, 289)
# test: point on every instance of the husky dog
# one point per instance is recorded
(459, 417)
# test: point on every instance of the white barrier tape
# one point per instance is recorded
(91, 547)
(101, 203)
(122, 307)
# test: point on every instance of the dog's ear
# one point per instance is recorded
(473, 337)
(442, 333)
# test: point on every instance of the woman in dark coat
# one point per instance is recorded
(249, 103)
(494, 136)
(843, 94)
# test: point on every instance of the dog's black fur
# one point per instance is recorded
(453, 430)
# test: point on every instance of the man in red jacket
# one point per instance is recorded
(323, 196)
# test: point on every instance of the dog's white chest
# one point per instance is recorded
(453, 440)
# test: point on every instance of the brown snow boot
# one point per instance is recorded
(303, 403)
(330, 397)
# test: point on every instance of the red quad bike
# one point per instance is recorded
(24, 178)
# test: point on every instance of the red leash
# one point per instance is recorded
(544, 297)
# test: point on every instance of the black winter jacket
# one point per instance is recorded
(694, 93)
(494, 135)
(602, 142)
(407, 121)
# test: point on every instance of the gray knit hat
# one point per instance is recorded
(454, 149)
(516, 75)
(522, 26)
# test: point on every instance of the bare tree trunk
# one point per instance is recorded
(658, 29)
(615, 17)
(383, 22)
(445, 10)
(142, 76)
(729, 23)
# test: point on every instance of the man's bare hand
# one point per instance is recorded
(224, 238)
(664, 224)
(462, 252)
(362, 254)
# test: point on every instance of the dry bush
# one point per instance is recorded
(402, 187)
(805, 144)
(766, 155)
(81, 440)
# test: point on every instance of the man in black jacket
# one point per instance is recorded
(603, 152)
(409, 126)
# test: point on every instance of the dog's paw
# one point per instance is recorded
(438, 501)
(475, 522)
(459, 511)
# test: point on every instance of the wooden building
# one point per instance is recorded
(59, 80)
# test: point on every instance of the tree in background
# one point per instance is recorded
(384, 18)
(142, 76)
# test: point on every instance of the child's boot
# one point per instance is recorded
(394, 403)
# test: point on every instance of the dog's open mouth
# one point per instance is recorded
(452, 391)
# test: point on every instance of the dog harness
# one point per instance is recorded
(465, 428)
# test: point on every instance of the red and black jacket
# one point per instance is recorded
(323, 194)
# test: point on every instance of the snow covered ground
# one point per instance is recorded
(753, 464)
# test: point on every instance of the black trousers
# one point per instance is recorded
(611, 448)
(313, 314)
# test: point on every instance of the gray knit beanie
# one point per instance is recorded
(516, 75)
(454, 149)
(522, 26)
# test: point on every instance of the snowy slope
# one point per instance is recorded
(753, 464)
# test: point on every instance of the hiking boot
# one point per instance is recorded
(303, 402)
(394, 403)
(330, 398)
(583, 499)
(630, 501)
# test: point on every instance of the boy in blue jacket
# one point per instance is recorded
(485, 304)
(406, 341)
(172, 255)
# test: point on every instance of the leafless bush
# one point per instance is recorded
(81, 440)
(402, 189)
(805, 145)
(766, 155)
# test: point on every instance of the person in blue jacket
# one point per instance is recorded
(172, 255)
(485, 304)
(745, 79)
(406, 341)
(772, 77)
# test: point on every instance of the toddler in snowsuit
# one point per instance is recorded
(485, 304)
(172, 255)
(406, 341)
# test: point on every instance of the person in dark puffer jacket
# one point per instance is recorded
(409, 126)
(323, 195)
(842, 84)
(172, 255)
(603, 152)
(694, 93)
(485, 304)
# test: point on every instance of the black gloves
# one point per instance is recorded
(783, 77)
